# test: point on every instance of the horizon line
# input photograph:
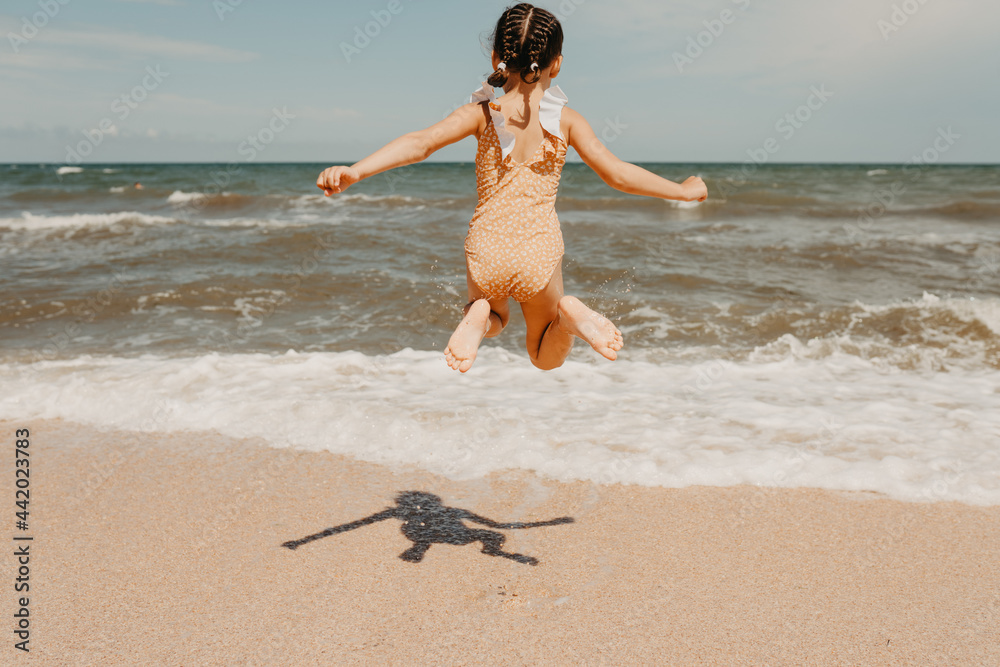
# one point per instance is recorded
(415, 164)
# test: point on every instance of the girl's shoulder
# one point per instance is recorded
(571, 116)
(570, 120)
(479, 111)
(472, 116)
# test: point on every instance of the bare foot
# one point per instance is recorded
(464, 343)
(578, 320)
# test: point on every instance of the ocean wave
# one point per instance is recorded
(276, 203)
(930, 316)
(731, 206)
(223, 201)
(757, 203)
(566, 202)
(30, 221)
(179, 197)
(280, 202)
(390, 202)
(379, 199)
(68, 170)
(930, 333)
(84, 221)
(836, 422)
(318, 201)
(960, 210)
(45, 196)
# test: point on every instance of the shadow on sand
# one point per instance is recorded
(427, 521)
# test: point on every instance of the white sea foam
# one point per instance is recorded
(303, 201)
(943, 327)
(877, 172)
(68, 170)
(836, 422)
(117, 189)
(369, 199)
(31, 221)
(180, 197)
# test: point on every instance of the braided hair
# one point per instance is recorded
(526, 39)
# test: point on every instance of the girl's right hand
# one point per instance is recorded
(334, 180)
(694, 189)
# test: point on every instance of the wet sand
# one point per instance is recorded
(166, 549)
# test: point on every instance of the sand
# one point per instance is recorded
(166, 549)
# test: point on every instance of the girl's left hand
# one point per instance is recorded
(334, 180)
(694, 189)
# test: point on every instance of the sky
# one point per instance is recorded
(876, 81)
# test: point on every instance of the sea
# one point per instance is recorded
(826, 326)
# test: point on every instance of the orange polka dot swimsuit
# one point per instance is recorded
(514, 242)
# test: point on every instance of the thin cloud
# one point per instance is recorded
(22, 65)
(134, 43)
(102, 40)
(768, 37)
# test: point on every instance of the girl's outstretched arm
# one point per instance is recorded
(407, 149)
(622, 175)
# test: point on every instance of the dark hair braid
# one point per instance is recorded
(525, 36)
(507, 41)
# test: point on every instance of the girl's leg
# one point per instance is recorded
(553, 320)
(483, 318)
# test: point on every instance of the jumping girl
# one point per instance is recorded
(514, 246)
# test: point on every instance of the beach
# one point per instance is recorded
(793, 461)
(165, 548)
(225, 355)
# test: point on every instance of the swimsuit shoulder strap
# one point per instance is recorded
(506, 137)
(549, 114)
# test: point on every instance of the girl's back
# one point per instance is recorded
(514, 242)
(514, 247)
(521, 118)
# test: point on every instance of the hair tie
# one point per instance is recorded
(501, 67)
(534, 67)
